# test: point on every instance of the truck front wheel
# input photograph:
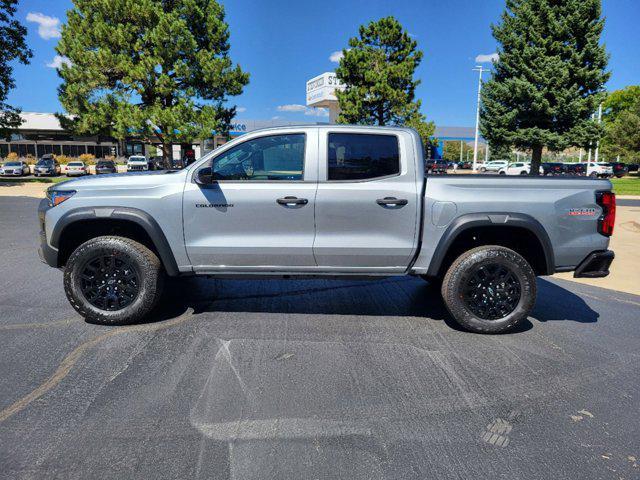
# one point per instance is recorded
(113, 280)
(489, 289)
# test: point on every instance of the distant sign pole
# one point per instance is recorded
(478, 69)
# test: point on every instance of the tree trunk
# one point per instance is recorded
(536, 159)
(167, 153)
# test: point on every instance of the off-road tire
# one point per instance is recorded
(459, 273)
(146, 264)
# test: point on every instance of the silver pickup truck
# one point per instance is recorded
(324, 201)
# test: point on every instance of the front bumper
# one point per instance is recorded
(596, 265)
(46, 252)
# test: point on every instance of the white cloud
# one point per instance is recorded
(241, 109)
(276, 118)
(317, 112)
(335, 57)
(48, 27)
(294, 107)
(297, 108)
(58, 61)
(486, 58)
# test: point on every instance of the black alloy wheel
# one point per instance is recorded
(492, 291)
(109, 282)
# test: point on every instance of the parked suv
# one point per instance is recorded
(15, 169)
(517, 168)
(599, 170)
(619, 169)
(493, 166)
(137, 163)
(553, 168)
(576, 168)
(47, 165)
(106, 166)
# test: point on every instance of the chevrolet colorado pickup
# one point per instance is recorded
(324, 201)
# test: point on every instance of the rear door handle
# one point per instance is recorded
(391, 201)
(292, 201)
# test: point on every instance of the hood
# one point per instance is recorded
(116, 181)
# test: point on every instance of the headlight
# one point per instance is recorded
(56, 197)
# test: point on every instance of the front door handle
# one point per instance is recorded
(391, 201)
(292, 201)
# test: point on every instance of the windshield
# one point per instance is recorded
(13, 164)
(76, 164)
(105, 164)
(45, 163)
(137, 159)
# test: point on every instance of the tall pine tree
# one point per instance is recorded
(12, 47)
(377, 70)
(153, 69)
(549, 78)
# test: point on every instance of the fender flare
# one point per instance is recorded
(494, 219)
(134, 215)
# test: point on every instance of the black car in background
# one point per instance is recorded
(435, 166)
(633, 167)
(576, 168)
(47, 165)
(554, 168)
(106, 166)
(619, 169)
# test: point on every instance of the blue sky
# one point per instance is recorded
(283, 43)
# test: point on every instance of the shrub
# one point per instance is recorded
(63, 159)
(11, 157)
(88, 158)
(31, 160)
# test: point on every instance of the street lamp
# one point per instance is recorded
(478, 69)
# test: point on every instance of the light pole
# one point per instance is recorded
(478, 69)
(598, 142)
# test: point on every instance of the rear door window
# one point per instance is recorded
(355, 156)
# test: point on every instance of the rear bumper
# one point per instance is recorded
(595, 265)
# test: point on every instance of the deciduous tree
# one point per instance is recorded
(150, 68)
(549, 77)
(12, 47)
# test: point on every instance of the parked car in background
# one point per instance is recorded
(156, 163)
(553, 168)
(435, 167)
(76, 169)
(576, 168)
(465, 165)
(619, 169)
(137, 163)
(15, 169)
(47, 165)
(517, 168)
(493, 166)
(633, 167)
(599, 170)
(106, 166)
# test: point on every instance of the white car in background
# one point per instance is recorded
(15, 169)
(493, 166)
(517, 168)
(76, 169)
(599, 169)
(137, 163)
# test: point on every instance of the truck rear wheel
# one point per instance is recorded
(489, 289)
(113, 280)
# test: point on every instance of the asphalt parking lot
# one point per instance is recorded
(310, 379)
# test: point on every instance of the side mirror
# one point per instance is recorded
(204, 176)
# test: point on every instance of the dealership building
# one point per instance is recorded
(41, 133)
